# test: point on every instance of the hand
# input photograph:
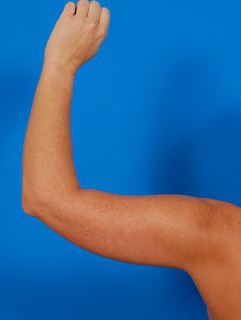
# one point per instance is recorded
(77, 35)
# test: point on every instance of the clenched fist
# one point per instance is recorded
(77, 35)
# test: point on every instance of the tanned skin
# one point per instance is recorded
(200, 236)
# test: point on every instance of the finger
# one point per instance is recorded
(82, 8)
(69, 9)
(94, 11)
(105, 18)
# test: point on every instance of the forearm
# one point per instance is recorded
(48, 168)
(47, 162)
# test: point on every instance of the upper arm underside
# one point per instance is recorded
(165, 230)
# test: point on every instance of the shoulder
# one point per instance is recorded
(218, 277)
(225, 219)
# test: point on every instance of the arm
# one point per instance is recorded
(154, 230)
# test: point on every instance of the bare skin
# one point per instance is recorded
(200, 236)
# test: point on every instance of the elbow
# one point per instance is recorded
(29, 203)
(39, 202)
(33, 202)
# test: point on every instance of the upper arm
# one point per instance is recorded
(155, 230)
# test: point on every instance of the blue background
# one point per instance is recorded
(156, 111)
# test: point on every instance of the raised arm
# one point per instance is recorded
(155, 230)
(201, 236)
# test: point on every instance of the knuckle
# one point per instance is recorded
(102, 33)
(91, 24)
(69, 4)
(106, 10)
(94, 2)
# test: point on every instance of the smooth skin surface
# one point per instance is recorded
(200, 236)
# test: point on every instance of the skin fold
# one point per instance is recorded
(200, 236)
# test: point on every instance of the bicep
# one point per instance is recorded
(154, 230)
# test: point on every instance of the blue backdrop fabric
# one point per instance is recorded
(156, 111)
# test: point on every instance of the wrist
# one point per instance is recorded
(58, 67)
